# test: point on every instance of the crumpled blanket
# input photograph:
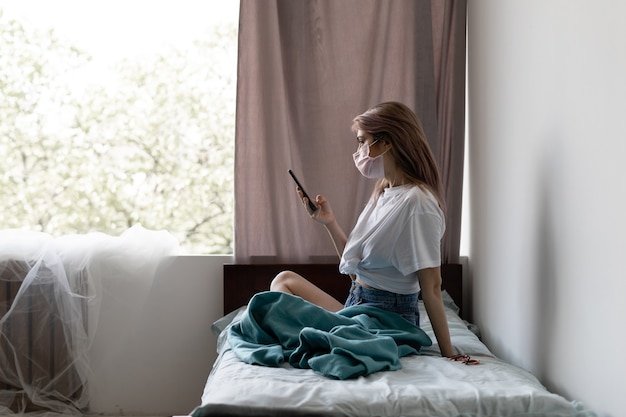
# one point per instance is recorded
(356, 341)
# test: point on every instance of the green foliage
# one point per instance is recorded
(154, 146)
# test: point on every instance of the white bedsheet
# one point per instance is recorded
(427, 385)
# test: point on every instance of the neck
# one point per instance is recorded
(397, 180)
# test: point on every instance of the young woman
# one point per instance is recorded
(393, 252)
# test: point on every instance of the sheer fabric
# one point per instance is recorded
(51, 329)
(306, 68)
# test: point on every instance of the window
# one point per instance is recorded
(464, 249)
(119, 113)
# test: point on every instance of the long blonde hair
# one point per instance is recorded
(398, 125)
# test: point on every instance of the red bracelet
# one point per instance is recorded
(466, 359)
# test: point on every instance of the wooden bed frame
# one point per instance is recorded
(242, 281)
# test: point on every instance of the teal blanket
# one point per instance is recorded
(355, 341)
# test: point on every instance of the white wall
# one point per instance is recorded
(547, 110)
(160, 366)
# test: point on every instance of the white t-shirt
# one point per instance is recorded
(394, 239)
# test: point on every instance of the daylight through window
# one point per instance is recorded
(119, 113)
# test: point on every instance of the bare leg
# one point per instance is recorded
(292, 283)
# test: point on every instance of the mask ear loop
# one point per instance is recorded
(377, 139)
(369, 146)
(380, 137)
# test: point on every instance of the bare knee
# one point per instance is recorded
(292, 283)
(284, 282)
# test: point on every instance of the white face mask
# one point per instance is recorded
(369, 167)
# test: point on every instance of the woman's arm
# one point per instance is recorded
(338, 236)
(430, 283)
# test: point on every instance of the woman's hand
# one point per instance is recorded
(324, 213)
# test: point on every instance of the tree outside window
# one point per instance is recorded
(152, 143)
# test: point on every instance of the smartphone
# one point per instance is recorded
(312, 206)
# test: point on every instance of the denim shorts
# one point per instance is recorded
(403, 304)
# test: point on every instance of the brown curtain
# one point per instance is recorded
(306, 68)
(448, 22)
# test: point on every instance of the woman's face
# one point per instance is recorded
(376, 147)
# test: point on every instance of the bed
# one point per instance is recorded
(425, 385)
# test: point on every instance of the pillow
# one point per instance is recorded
(222, 324)
(449, 303)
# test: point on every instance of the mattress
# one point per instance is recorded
(426, 385)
